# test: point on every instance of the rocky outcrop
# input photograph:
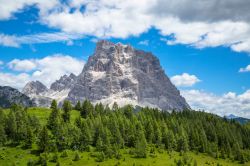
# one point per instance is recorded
(43, 96)
(117, 73)
(65, 82)
(9, 96)
(34, 88)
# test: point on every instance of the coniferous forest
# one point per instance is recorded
(104, 132)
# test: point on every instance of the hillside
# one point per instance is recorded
(9, 96)
(98, 135)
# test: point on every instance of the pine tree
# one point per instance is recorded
(141, 143)
(169, 140)
(54, 120)
(11, 128)
(78, 106)
(66, 111)
(43, 139)
(3, 136)
(87, 109)
(29, 138)
(149, 132)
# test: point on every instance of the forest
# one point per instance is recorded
(106, 131)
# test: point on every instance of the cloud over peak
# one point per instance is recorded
(200, 23)
(46, 70)
(184, 80)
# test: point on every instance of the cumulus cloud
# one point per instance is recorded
(16, 41)
(246, 69)
(203, 10)
(184, 80)
(200, 23)
(14, 80)
(8, 8)
(22, 65)
(46, 70)
(229, 103)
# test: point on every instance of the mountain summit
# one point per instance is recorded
(120, 73)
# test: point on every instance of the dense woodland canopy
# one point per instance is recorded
(108, 130)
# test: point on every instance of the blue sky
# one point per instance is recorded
(206, 57)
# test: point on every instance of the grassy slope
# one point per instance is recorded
(19, 156)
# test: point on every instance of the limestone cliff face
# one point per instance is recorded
(115, 73)
(119, 73)
(9, 96)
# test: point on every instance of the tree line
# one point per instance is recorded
(108, 130)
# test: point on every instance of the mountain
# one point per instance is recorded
(9, 96)
(241, 120)
(65, 82)
(119, 73)
(43, 96)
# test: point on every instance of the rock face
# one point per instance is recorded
(34, 88)
(9, 96)
(65, 82)
(122, 74)
(118, 73)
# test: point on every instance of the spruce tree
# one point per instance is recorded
(3, 136)
(67, 107)
(11, 128)
(29, 138)
(43, 139)
(78, 106)
(140, 143)
(54, 118)
(87, 109)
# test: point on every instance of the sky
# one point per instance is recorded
(203, 45)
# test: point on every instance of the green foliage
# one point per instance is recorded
(31, 162)
(67, 107)
(29, 138)
(43, 139)
(77, 156)
(100, 157)
(64, 154)
(78, 106)
(87, 109)
(107, 132)
(140, 145)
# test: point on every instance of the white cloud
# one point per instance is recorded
(22, 65)
(1, 63)
(144, 42)
(184, 80)
(7, 40)
(16, 41)
(46, 70)
(246, 69)
(14, 80)
(229, 103)
(8, 8)
(218, 24)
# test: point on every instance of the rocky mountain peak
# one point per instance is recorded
(34, 88)
(119, 73)
(115, 73)
(9, 96)
(65, 82)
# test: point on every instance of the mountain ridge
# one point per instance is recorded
(119, 73)
(9, 96)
